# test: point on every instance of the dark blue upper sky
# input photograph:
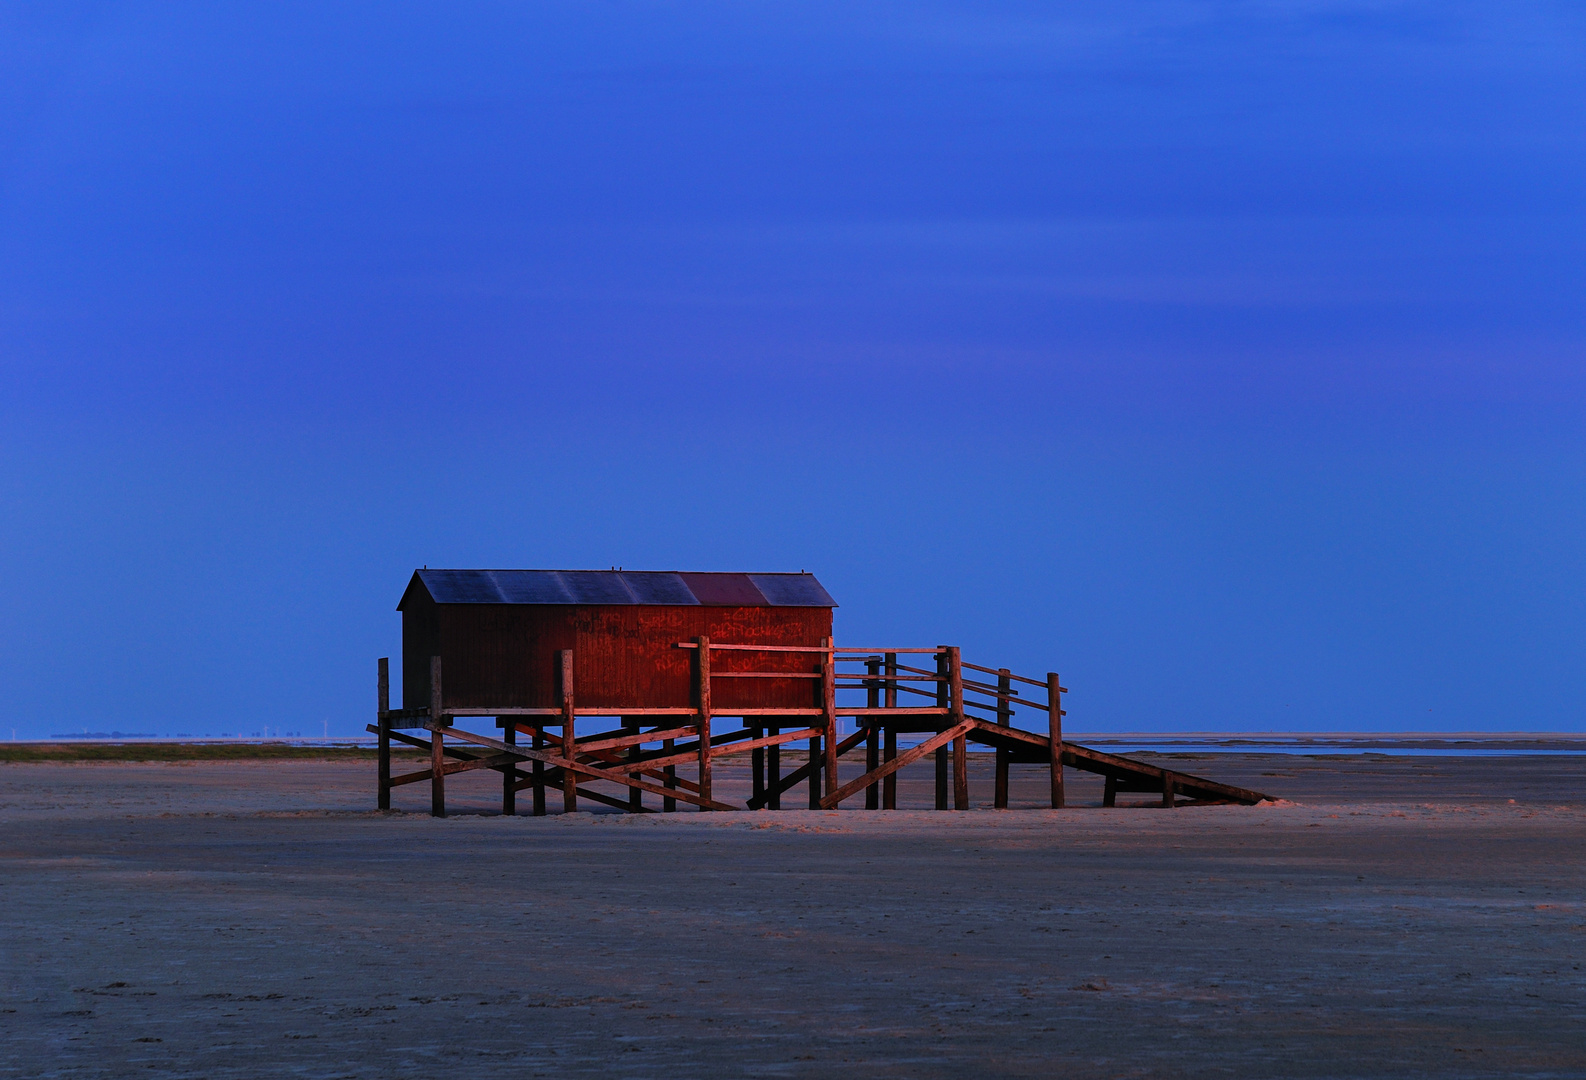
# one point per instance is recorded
(1226, 357)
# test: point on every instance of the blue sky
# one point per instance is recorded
(1225, 357)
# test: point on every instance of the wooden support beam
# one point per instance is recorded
(635, 796)
(590, 743)
(383, 734)
(913, 753)
(509, 777)
(999, 797)
(569, 766)
(889, 784)
(1167, 789)
(493, 761)
(817, 769)
(813, 765)
(829, 706)
(1109, 791)
(756, 764)
(772, 796)
(702, 700)
(1054, 726)
(437, 754)
(872, 732)
(943, 701)
(537, 776)
(955, 689)
(668, 803)
(569, 734)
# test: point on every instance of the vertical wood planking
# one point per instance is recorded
(889, 785)
(437, 753)
(703, 691)
(955, 687)
(569, 735)
(383, 722)
(1054, 726)
(999, 798)
(943, 699)
(829, 706)
(509, 771)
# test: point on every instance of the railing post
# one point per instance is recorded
(703, 691)
(872, 732)
(509, 771)
(943, 701)
(955, 672)
(889, 784)
(829, 708)
(1054, 725)
(999, 798)
(437, 750)
(383, 722)
(569, 735)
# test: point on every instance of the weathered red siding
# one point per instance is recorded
(505, 655)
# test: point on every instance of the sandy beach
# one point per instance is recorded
(1392, 917)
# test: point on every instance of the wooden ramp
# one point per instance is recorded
(644, 758)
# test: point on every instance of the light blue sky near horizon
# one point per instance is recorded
(1225, 357)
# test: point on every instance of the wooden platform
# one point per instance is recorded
(539, 750)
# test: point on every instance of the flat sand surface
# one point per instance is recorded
(1403, 917)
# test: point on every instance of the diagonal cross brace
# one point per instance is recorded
(914, 753)
(529, 754)
(802, 773)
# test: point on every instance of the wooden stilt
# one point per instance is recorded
(941, 738)
(1167, 789)
(1109, 792)
(773, 766)
(955, 686)
(829, 707)
(537, 777)
(814, 766)
(999, 797)
(569, 734)
(1054, 731)
(509, 775)
(383, 699)
(669, 804)
(437, 755)
(702, 691)
(630, 725)
(943, 701)
(889, 784)
(756, 762)
(872, 733)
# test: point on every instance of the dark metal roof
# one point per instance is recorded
(619, 587)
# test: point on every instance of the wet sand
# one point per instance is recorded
(1403, 918)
